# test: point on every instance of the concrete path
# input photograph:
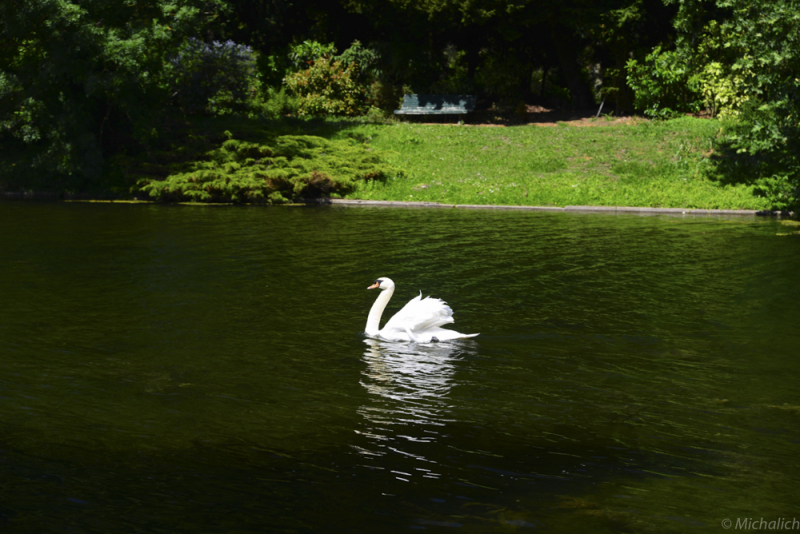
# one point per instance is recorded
(596, 209)
(399, 204)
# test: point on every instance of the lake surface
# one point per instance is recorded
(204, 369)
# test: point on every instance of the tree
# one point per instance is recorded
(739, 59)
(77, 80)
(212, 77)
(763, 147)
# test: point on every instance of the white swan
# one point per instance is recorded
(419, 321)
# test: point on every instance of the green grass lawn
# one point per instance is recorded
(601, 163)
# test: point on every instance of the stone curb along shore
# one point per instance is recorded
(597, 209)
(31, 195)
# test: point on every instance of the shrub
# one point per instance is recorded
(303, 55)
(365, 61)
(329, 87)
(721, 95)
(289, 168)
(285, 61)
(273, 103)
(348, 84)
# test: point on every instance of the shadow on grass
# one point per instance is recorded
(183, 139)
(529, 115)
(768, 173)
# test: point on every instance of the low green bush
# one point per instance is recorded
(273, 103)
(719, 90)
(329, 87)
(288, 168)
(348, 85)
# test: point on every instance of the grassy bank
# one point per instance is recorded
(623, 162)
(599, 162)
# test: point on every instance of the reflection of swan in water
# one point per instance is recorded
(408, 386)
(409, 373)
(420, 320)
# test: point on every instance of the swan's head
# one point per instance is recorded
(382, 283)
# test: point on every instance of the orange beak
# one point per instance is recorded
(373, 286)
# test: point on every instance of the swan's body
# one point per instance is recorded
(419, 321)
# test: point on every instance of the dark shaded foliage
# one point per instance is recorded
(210, 76)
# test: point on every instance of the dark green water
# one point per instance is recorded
(202, 369)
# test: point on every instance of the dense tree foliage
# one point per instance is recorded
(212, 77)
(78, 78)
(83, 80)
(764, 145)
(739, 59)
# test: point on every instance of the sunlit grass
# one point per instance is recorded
(596, 163)
(654, 164)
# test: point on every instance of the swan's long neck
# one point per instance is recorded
(374, 317)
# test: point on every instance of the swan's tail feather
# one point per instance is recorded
(439, 314)
(442, 334)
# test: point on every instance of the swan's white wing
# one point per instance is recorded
(420, 315)
(421, 320)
